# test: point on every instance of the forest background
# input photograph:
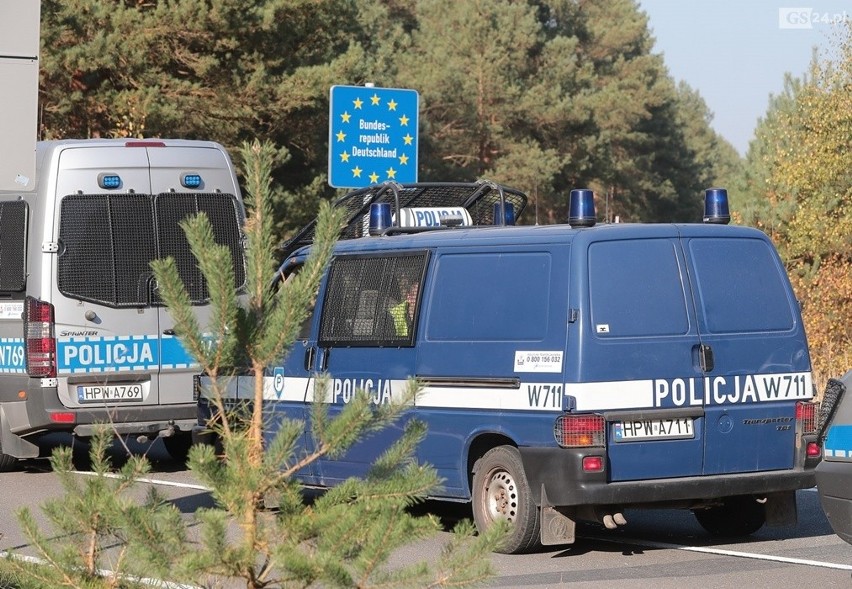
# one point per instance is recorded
(541, 95)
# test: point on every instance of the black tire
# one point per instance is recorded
(7, 462)
(178, 446)
(501, 491)
(736, 517)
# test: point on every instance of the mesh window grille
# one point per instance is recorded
(107, 242)
(221, 209)
(13, 242)
(372, 300)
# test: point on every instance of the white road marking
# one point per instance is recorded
(105, 573)
(722, 552)
(149, 481)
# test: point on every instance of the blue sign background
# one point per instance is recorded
(372, 136)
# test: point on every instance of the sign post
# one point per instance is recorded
(19, 42)
(372, 136)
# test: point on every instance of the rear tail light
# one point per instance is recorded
(806, 413)
(40, 340)
(580, 431)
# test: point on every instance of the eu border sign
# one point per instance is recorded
(372, 136)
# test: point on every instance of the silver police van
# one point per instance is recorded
(84, 336)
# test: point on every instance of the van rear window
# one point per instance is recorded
(740, 286)
(107, 242)
(636, 289)
(13, 262)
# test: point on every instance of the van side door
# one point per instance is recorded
(367, 330)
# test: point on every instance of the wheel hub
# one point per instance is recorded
(502, 496)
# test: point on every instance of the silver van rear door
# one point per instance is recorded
(176, 197)
(107, 333)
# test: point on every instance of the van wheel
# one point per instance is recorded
(501, 492)
(736, 517)
(7, 462)
(178, 446)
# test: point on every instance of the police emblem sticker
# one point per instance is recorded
(538, 361)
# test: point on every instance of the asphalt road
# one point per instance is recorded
(661, 549)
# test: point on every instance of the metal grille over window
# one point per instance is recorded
(107, 242)
(221, 209)
(478, 198)
(13, 229)
(372, 300)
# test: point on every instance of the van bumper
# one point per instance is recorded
(33, 415)
(559, 472)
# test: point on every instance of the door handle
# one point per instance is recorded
(326, 352)
(310, 354)
(705, 358)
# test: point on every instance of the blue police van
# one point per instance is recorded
(568, 372)
(834, 473)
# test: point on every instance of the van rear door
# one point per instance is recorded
(185, 181)
(106, 330)
(755, 348)
(635, 351)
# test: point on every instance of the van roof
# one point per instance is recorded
(544, 234)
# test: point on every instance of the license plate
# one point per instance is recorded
(675, 428)
(113, 393)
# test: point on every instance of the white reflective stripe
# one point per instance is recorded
(691, 391)
(624, 394)
(593, 396)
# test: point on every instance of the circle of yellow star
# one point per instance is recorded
(374, 177)
(391, 173)
(403, 159)
(374, 99)
(392, 104)
(408, 138)
(356, 172)
(344, 157)
(341, 136)
(358, 102)
(403, 120)
(345, 116)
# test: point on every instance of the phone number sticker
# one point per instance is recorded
(538, 361)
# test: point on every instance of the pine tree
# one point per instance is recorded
(347, 536)
(101, 523)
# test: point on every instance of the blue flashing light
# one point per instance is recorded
(716, 206)
(508, 216)
(109, 181)
(581, 208)
(380, 217)
(190, 180)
